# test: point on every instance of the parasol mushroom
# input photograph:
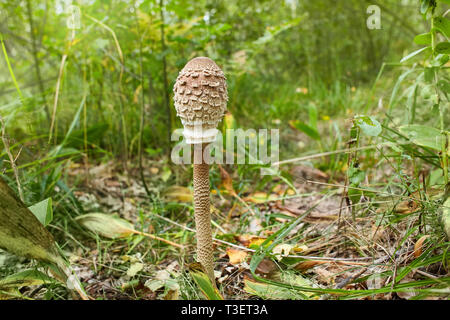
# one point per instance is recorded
(201, 100)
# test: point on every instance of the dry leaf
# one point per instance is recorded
(106, 225)
(282, 250)
(227, 182)
(261, 197)
(419, 246)
(134, 269)
(266, 267)
(236, 256)
(305, 265)
(249, 239)
(257, 241)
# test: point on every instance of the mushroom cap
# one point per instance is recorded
(200, 96)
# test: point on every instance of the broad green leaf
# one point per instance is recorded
(30, 277)
(368, 125)
(415, 53)
(203, 282)
(423, 39)
(43, 211)
(443, 47)
(21, 232)
(274, 292)
(440, 60)
(106, 225)
(442, 25)
(423, 136)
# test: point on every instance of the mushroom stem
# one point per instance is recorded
(202, 210)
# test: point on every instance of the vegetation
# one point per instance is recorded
(359, 208)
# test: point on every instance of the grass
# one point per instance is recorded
(62, 175)
(359, 214)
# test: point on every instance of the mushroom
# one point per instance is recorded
(200, 96)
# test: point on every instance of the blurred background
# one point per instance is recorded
(124, 56)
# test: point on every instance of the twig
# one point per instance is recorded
(323, 154)
(151, 236)
(11, 158)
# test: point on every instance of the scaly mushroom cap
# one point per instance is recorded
(200, 99)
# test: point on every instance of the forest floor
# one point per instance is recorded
(330, 248)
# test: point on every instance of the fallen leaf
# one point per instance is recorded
(134, 269)
(236, 256)
(257, 241)
(418, 246)
(113, 227)
(305, 265)
(282, 250)
(227, 182)
(249, 239)
(261, 197)
(106, 225)
(266, 267)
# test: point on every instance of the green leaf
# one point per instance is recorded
(423, 136)
(440, 60)
(354, 195)
(312, 110)
(43, 211)
(442, 47)
(415, 53)
(442, 25)
(428, 74)
(368, 125)
(105, 225)
(425, 5)
(30, 277)
(202, 280)
(444, 86)
(306, 129)
(356, 175)
(276, 292)
(423, 39)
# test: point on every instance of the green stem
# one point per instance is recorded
(10, 69)
(441, 111)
